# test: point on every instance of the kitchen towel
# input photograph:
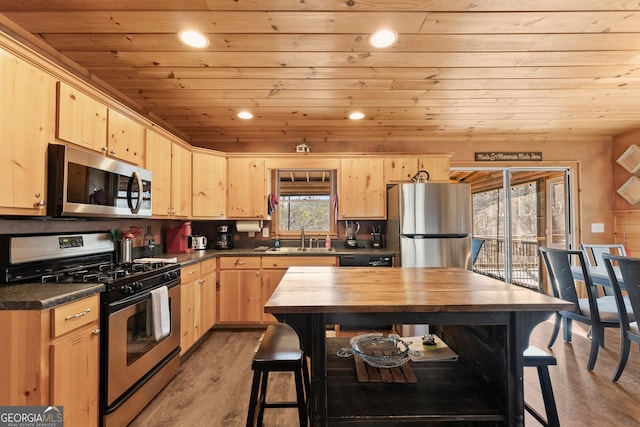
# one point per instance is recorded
(161, 315)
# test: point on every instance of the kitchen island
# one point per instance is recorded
(486, 321)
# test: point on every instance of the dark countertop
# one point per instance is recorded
(41, 296)
(198, 256)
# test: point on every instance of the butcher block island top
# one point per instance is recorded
(485, 321)
(372, 290)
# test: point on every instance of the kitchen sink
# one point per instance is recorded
(297, 249)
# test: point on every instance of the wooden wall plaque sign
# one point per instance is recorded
(508, 156)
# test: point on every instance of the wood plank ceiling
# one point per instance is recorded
(461, 69)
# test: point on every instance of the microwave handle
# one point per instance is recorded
(136, 176)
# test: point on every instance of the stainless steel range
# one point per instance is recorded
(136, 362)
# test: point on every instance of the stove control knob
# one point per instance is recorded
(170, 275)
(137, 286)
(127, 290)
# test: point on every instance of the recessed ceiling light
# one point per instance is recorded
(356, 115)
(245, 115)
(383, 38)
(194, 38)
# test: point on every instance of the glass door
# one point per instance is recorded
(510, 226)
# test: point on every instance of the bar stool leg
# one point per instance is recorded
(253, 400)
(263, 396)
(547, 397)
(300, 396)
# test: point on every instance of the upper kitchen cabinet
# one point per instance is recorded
(81, 119)
(126, 138)
(399, 168)
(209, 180)
(84, 121)
(405, 167)
(247, 181)
(362, 189)
(27, 125)
(170, 164)
(437, 165)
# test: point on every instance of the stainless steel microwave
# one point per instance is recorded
(85, 184)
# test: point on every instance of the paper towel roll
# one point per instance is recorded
(248, 226)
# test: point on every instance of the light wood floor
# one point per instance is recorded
(212, 387)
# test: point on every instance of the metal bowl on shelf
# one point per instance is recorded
(379, 351)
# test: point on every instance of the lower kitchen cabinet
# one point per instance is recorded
(274, 268)
(240, 298)
(197, 302)
(53, 359)
(246, 283)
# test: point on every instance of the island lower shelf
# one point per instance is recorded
(444, 392)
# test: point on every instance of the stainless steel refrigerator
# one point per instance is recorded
(429, 224)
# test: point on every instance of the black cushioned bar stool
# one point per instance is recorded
(279, 351)
(535, 357)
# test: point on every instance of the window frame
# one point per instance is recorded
(333, 228)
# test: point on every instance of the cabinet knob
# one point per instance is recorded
(104, 149)
(112, 152)
(42, 203)
(37, 194)
(96, 332)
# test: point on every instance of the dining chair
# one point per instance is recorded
(476, 245)
(629, 331)
(593, 254)
(597, 312)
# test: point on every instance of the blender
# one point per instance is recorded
(352, 228)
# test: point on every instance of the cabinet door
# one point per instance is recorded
(400, 168)
(247, 197)
(270, 280)
(126, 138)
(362, 191)
(207, 302)
(27, 124)
(158, 160)
(187, 316)
(437, 166)
(180, 181)
(240, 296)
(74, 375)
(209, 185)
(81, 119)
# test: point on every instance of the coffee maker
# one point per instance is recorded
(178, 239)
(225, 238)
(352, 228)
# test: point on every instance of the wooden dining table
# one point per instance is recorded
(485, 321)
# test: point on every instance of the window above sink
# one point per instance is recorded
(306, 200)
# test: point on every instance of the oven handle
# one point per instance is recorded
(119, 305)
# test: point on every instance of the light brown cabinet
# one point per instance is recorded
(404, 168)
(27, 125)
(247, 195)
(362, 189)
(53, 359)
(82, 120)
(240, 297)
(209, 180)
(197, 302)
(125, 138)
(170, 164)
(274, 268)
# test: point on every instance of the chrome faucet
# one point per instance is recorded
(302, 238)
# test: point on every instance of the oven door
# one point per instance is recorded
(131, 349)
